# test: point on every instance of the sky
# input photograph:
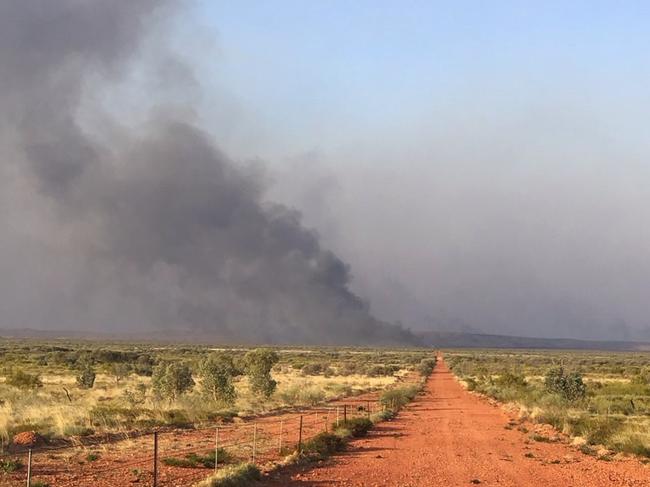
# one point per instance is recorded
(481, 166)
(326, 172)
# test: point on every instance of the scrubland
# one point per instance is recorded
(602, 399)
(66, 390)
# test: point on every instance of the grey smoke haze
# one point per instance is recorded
(109, 226)
(525, 227)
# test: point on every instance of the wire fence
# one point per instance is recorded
(173, 458)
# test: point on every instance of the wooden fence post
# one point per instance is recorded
(300, 437)
(155, 459)
(29, 468)
(216, 450)
(254, 441)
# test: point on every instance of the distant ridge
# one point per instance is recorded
(443, 339)
(437, 339)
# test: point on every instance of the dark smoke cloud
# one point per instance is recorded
(143, 229)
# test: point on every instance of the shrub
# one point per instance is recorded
(217, 374)
(241, 475)
(509, 379)
(471, 383)
(633, 443)
(313, 368)
(120, 371)
(23, 380)
(348, 368)
(169, 381)
(323, 445)
(258, 364)
(358, 426)
(144, 365)
(398, 397)
(569, 386)
(426, 366)
(10, 465)
(86, 379)
(135, 397)
(382, 416)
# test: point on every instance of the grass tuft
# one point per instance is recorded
(242, 475)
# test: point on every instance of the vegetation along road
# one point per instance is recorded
(449, 436)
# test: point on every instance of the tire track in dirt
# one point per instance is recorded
(450, 437)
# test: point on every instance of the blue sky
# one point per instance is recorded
(312, 70)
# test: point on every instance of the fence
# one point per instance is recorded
(178, 457)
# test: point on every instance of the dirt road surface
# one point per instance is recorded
(450, 437)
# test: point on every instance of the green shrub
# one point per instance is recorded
(23, 380)
(258, 364)
(358, 426)
(426, 366)
(509, 379)
(569, 386)
(241, 475)
(398, 397)
(86, 379)
(471, 383)
(217, 374)
(10, 465)
(170, 381)
(384, 415)
(323, 445)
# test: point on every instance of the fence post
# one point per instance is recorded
(280, 440)
(216, 450)
(300, 436)
(155, 459)
(337, 416)
(29, 468)
(254, 441)
(327, 420)
(345, 413)
(368, 408)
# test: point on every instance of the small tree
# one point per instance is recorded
(86, 379)
(258, 364)
(120, 371)
(23, 380)
(144, 365)
(170, 381)
(569, 386)
(217, 374)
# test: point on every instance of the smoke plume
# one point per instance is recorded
(147, 227)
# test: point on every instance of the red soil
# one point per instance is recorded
(451, 437)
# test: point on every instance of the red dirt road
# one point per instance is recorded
(449, 437)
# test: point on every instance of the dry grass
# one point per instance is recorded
(49, 411)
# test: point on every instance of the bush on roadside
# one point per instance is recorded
(398, 397)
(242, 475)
(569, 386)
(426, 366)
